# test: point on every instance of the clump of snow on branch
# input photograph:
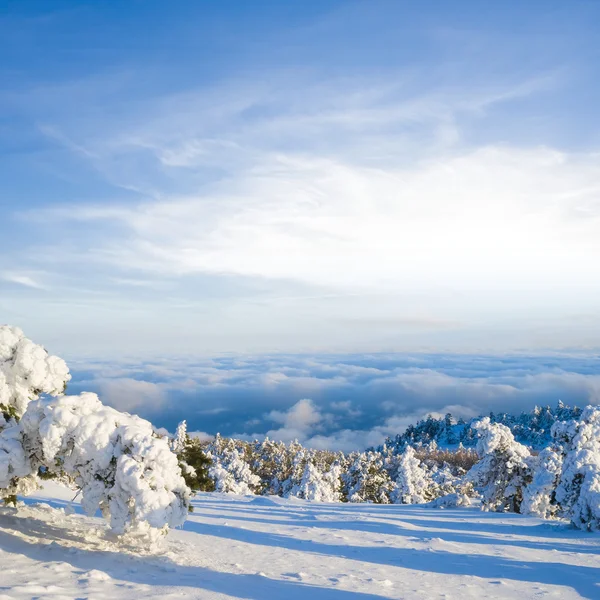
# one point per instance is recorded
(503, 470)
(116, 459)
(26, 371)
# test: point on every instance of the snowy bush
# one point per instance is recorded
(578, 490)
(453, 500)
(503, 470)
(117, 461)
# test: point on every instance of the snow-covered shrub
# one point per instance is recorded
(453, 500)
(232, 474)
(578, 490)
(539, 495)
(366, 480)
(413, 482)
(503, 470)
(26, 371)
(117, 461)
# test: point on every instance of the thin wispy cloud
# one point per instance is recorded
(22, 280)
(414, 190)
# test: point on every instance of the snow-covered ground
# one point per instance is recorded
(263, 549)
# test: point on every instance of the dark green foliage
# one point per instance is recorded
(9, 412)
(10, 500)
(192, 456)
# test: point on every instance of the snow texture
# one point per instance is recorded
(261, 548)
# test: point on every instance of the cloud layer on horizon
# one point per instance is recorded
(337, 401)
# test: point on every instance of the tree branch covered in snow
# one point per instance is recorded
(118, 462)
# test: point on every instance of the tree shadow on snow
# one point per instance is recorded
(143, 570)
(440, 530)
(581, 578)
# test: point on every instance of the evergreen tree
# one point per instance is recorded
(194, 464)
(503, 470)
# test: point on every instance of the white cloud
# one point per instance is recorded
(496, 216)
(131, 395)
(201, 435)
(360, 213)
(297, 422)
(24, 280)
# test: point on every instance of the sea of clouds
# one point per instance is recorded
(341, 402)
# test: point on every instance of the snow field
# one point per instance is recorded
(264, 548)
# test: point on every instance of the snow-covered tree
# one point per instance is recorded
(232, 474)
(116, 460)
(118, 463)
(503, 470)
(413, 482)
(300, 457)
(194, 463)
(578, 490)
(316, 486)
(272, 463)
(26, 371)
(180, 438)
(539, 496)
(366, 480)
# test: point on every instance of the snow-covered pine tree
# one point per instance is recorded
(413, 482)
(299, 457)
(539, 495)
(578, 490)
(180, 438)
(232, 474)
(503, 470)
(366, 480)
(26, 372)
(195, 464)
(117, 460)
(316, 486)
(272, 463)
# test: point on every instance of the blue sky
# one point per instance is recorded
(199, 178)
(317, 176)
